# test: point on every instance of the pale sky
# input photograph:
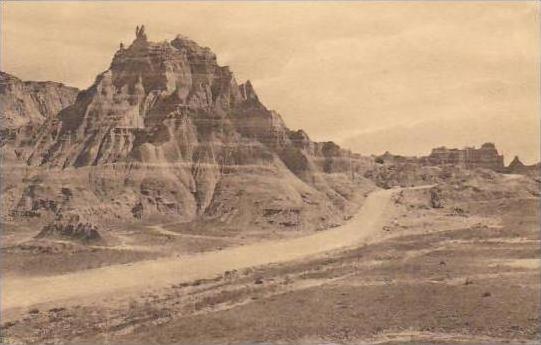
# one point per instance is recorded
(372, 76)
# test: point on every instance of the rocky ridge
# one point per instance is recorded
(25, 103)
(167, 133)
(24, 107)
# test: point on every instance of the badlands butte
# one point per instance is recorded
(166, 204)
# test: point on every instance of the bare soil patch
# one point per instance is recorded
(449, 284)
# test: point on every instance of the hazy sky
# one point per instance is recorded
(372, 76)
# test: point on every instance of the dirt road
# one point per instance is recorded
(25, 292)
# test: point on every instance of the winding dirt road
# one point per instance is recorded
(25, 292)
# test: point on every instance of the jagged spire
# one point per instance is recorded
(247, 91)
(140, 33)
(516, 163)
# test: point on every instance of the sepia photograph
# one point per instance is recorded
(270, 172)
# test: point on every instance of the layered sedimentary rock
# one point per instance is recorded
(71, 229)
(517, 167)
(24, 107)
(166, 132)
(441, 164)
(24, 103)
(485, 157)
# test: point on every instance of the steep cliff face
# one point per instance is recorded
(24, 107)
(25, 103)
(166, 132)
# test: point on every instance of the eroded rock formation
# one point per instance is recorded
(166, 132)
(486, 157)
(517, 167)
(24, 103)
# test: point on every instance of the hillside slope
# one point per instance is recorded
(167, 134)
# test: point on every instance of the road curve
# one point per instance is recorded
(25, 292)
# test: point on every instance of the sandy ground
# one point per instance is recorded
(421, 276)
(25, 292)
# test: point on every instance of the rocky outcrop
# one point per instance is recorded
(517, 167)
(24, 107)
(167, 133)
(69, 230)
(485, 157)
(25, 103)
(435, 197)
